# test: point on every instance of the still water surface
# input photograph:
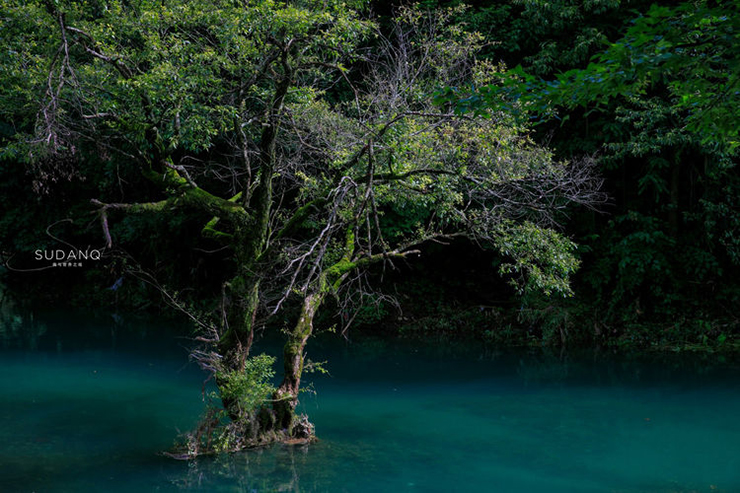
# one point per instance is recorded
(87, 403)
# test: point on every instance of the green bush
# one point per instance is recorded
(250, 388)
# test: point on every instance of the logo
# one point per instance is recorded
(66, 256)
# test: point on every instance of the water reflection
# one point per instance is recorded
(18, 326)
(273, 469)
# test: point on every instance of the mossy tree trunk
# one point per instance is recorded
(286, 396)
(249, 243)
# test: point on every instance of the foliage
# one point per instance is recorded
(251, 388)
(547, 36)
(687, 51)
(659, 106)
(545, 256)
(159, 89)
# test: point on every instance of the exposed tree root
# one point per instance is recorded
(214, 436)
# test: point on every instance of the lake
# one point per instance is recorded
(88, 403)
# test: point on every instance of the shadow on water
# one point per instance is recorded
(18, 329)
(89, 401)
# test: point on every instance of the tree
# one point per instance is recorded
(660, 104)
(547, 37)
(251, 115)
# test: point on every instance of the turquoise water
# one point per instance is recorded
(87, 404)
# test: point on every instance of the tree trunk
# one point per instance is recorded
(286, 396)
(236, 341)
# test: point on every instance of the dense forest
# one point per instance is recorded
(519, 171)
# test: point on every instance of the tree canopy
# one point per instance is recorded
(658, 105)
